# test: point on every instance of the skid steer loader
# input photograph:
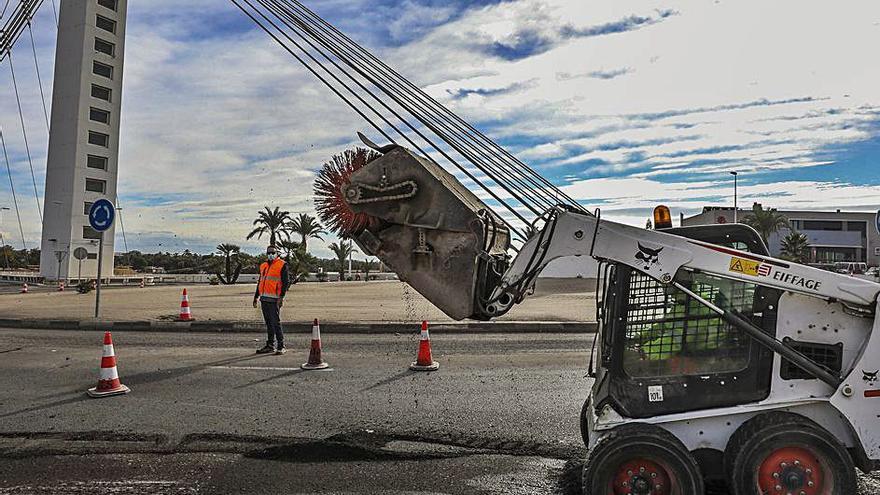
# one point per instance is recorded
(711, 355)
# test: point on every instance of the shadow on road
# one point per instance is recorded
(79, 398)
(388, 380)
(271, 378)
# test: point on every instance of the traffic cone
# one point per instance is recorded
(142, 283)
(108, 383)
(24, 288)
(185, 313)
(424, 361)
(61, 287)
(316, 362)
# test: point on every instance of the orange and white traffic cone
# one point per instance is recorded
(24, 288)
(61, 287)
(142, 283)
(424, 361)
(316, 362)
(108, 383)
(185, 313)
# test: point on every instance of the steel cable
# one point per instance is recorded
(39, 79)
(487, 142)
(421, 113)
(26, 145)
(12, 188)
(405, 121)
(323, 80)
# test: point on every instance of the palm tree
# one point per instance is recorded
(228, 251)
(307, 227)
(342, 250)
(270, 222)
(796, 247)
(766, 222)
(368, 267)
(289, 250)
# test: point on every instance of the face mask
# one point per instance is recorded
(272, 256)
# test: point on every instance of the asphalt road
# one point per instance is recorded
(207, 416)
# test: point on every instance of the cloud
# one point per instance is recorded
(624, 103)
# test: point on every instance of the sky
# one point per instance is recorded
(623, 105)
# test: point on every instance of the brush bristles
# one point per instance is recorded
(330, 203)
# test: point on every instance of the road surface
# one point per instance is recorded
(207, 416)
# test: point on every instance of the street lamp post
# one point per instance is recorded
(734, 174)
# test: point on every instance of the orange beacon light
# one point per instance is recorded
(662, 218)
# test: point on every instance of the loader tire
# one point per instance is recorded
(585, 425)
(636, 458)
(787, 451)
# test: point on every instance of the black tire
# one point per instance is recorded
(795, 449)
(620, 456)
(585, 426)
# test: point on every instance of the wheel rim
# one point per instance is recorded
(641, 477)
(792, 471)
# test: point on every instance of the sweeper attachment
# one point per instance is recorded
(421, 222)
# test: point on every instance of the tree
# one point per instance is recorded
(342, 250)
(796, 247)
(271, 222)
(293, 254)
(764, 221)
(368, 267)
(307, 227)
(230, 276)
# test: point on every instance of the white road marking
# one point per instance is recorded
(257, 368)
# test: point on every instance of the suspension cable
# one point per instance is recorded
(26, 145)
(487, 142)
(429, 117)
(323, 80)
(39, 79)
(12, 187)
(399, 117)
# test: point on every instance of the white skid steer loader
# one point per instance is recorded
(710, 352)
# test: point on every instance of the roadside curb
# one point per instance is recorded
(221, 326)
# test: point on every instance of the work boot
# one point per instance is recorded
(280, 351)
(266, 349)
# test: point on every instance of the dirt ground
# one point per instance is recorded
(563, 300)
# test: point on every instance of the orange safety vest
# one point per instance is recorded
(270, 279)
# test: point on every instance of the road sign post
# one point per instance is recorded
(101, 217)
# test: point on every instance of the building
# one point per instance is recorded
(834, 235)
(84, 137)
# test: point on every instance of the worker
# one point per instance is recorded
(271, 289)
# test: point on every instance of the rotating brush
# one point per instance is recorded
(330, 202)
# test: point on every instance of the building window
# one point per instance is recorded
(90, 233)
(110, 4)
(96, 186)
(101, 93)
(99, 162)
(98, 115)
(105, 47)
(106, 24)
(99, 139)
(92, 256)
(823, 225)
(87, 207)
(102, 70)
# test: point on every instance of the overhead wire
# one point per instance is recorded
(12, 188)
(551, 190)
(39, 79)
(24, 133)
(379, 100)
(334, 89)
(439, 126)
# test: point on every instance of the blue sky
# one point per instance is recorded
(623, 104)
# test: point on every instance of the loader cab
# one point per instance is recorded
(663, 353)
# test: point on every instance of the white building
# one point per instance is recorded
(84, 137)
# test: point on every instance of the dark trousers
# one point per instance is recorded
(272, 315)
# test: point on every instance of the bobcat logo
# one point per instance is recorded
(870, 377)
(648, 256)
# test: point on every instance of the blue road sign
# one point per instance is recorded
(101, 215)
(877, 221)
